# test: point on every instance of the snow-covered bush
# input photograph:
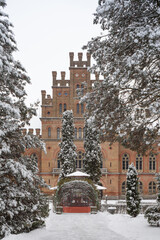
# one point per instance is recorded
(22, 205)
(67, 154)
(153, 213)
(132, 194)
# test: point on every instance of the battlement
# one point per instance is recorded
(80, 63)
(46, 100)
(60, 82)
(31, 131)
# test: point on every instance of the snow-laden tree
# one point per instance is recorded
(126, 104)
(132, 195)
(22, 205)
(92, 155)
(153, 213)
(67, 154)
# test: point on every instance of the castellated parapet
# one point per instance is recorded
(31, 131)
(80, 63)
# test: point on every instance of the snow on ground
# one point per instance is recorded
(83, 226)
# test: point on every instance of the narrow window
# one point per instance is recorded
(80, 133)
(60, 108)
(58, 133)
(58, 164)
(82, 108)
(75, 133)
(140, 187)
(139, 160)
(65, 107)
(152, 162)
(123, 188)
(49, 132)
(77, 108)
(125, 161)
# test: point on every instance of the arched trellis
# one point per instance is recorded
(77, 193)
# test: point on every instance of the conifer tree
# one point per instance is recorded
(67, 154)
(93, 155)
(22, 205)
(132, 194)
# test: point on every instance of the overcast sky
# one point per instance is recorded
(45, 32)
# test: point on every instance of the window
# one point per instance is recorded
(84, 132)
(77, 108)
(75, 133)
(125, 161)
(82, 89)
(101, 165)
(60, 108)
(58, 164)
(123, 188)
(34, 157)
(80, 133)
(140, 187)
(82, 108)
(152, 188)
(65, 94)
(58, 133)
(49, 132)
(80, 160)
(139, 161)
(77, 86)
(59, 94)
(152, 162)
(65, 107)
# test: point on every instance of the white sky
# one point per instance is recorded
(45, 32)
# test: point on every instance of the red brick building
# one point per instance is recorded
(115, 159)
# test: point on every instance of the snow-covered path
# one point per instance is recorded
(85, 226)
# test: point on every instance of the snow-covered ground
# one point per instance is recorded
(85, 226)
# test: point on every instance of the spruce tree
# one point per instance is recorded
(67, 154)
(22, 205)
(93, 155)
(132, 194)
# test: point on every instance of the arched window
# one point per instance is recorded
(75, 133)
(82, 108)
(58, 133)
(34, 157)
(125, 161)
(60, 108)
(65, 107)
(49, 132)
(77, 108)
(152, 162)
(77, 86)
(80, 133)
(124, 188)
(140, 187)
(152, 188)
(79, 160)
(101, 165)
(139, 161)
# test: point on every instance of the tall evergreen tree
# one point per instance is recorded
(126, 54)
(93, 155)
(67, 154)
(132, 194)
(22, 205)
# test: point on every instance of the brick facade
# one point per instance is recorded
(115, 158)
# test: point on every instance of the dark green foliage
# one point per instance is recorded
(132, 194)
(93, 155)
(67, 154)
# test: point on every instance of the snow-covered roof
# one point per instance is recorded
(100, 187)
(78, 174)
(53, 188)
